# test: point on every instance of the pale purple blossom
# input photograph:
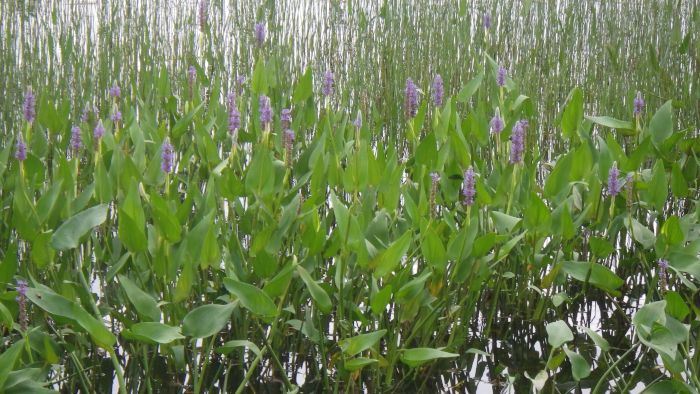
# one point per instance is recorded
(663, 275)
(76, 139)
(358, 121)
(114, 91)
(286, 118)
(259, 34)
(433, 194)
(487, 20)
(29, 108)
(638, 103)
(614, 180)
(22, 300)
(497, 122)
(234, 116)
(202, 16)
(167, 157)
(629, 186)
(99, 131)
(438, 91)
(410, 99)
(501, 78)
(517, 140)
(21, 153)
(86, 114)
(116, 116)
(469, 190)
(328, 80)
(266, 112)
(191, 78)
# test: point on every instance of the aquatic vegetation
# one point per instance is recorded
(389, 230)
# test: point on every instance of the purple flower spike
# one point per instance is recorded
(286, 118)
(358, 121)
(638, 103)
(435, 176)
(99, 131)
(202, 15)
(260, 34)
(21, 153)
(469, 186)
(29, 108)
(517, 140)
(191, 77)
(487, 20)
(167, 155)
(663, 266)
(433, 194)
(76, 139)
(613, 180)
(116, 116)
(328, 80)
(497, 122)
(22, 300)
(266, 112)
(86, 114)
(411, 99)
(438, 91)
(114, 91)
(501, 79)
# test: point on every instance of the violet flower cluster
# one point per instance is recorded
(265, 112)
(438, 91)
(328, 80)
(21, 153)
(202, 15)
(410, 99)
(629, 183)
(191, 77)
(614, 180)
(517, 140)
(234, 116)
(259, 34)
(469, 190)
(99, 131)
(22, 300)
(167, 155)
(86, 114)
(288, 136)
(76, 140)
(638, 103)
(497, 122)
(358, 121)
(29, 108)
(501, 78)
(487, 20)
(663, 275)
(116, 116)
(114, 91)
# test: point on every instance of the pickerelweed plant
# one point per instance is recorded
(181, 237)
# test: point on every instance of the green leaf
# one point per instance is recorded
(537, 216)
(641, 234)
(183, 122)
(470, 88)
(558, 179)
(165, 220)
(573, 115)
(358, 363)
(434, 251)
(381, 300)
(42, 253)
(579, 367)
(483, 245)
(258, 83)
(68, 235)
(145, 305)
(354, 345)
(658, 187)
(99, 333)
(559, 333)
(51, 302)
(230, 345)
(131, 233)
(611, 122)
(305, 88)
(679, 187)
(675, 306)
(661, 126)
(672, 231)
(600, 247)
(322, 300)
(601, 276)
(252, 298)
(601, 342)
(539, 380)
(8, 359)
(421, 355)
(260, 177)
(207, 320)
(341, 216)
(157, 332)
(389, 258)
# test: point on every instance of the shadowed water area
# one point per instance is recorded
(349, 196)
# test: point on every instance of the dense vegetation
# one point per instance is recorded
(348, 196)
